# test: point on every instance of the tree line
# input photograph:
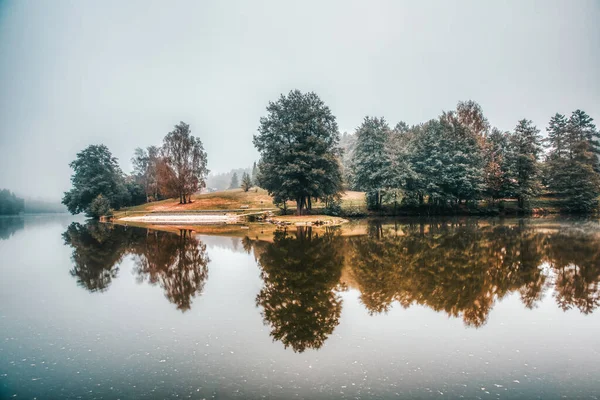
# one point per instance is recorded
(455, 160)
(175, 169)
(10, 204)
(459, 158)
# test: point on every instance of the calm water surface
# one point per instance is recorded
(472, 308)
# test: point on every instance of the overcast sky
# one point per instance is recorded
(122, 73)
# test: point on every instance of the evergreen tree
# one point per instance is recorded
(246, 182)
(580, 127)
(572, 165)
(496, 158)
(235, 182)
(371, 160)
(298, 143)
(254, 174)
(557, 137)
(525, 145)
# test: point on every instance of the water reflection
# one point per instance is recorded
(460, 268)
(178, 263)
(10, 225)
(97, 252)
(301, 270)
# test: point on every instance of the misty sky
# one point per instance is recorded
(122, 73)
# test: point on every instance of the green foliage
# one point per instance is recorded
(572, 164)
(333, 206)
(99, 207)
(246, 182)
(524, 169)
(371, 164)
(136, 193)
(447, 160)
(96, 172)
(298, 144)
(10, 204)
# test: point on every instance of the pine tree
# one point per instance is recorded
(572, 165)
(255, 174)
(235, 183)
(557, 136)
(246, 182)
(580, 127)
(371, 161)
(496, 159)
(525, 143)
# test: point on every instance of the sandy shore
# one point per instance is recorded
(183, 219)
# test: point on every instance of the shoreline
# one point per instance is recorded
(230, 219)
(182, 219)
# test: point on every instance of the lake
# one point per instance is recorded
(408, 308)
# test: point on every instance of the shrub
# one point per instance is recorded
(99, 207)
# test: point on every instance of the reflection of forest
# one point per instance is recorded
(458, 268)
(462, 268)
(178, 263)
(10, 225)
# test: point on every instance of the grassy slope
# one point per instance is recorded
(232, 199)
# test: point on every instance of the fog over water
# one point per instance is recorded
(123, 73)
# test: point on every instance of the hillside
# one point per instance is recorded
(233, 199)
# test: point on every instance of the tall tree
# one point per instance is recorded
(572, 165)
(246, 182)
(580, 127)
(96, 172)
(557, 137)
(254, 174)
(185, 162)
(497, 181)
(298, 143)
(235, 182)
(526, 148)
(371, 161)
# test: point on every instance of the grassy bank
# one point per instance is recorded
(236, 199)
(353, 205)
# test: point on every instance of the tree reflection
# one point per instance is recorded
(97, 251)
(575, 258)
(301, 272)
(462, 268)
(10, 225)
(178, 263)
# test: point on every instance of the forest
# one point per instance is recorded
(460, 159)
(10, 204)
(455, 163)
